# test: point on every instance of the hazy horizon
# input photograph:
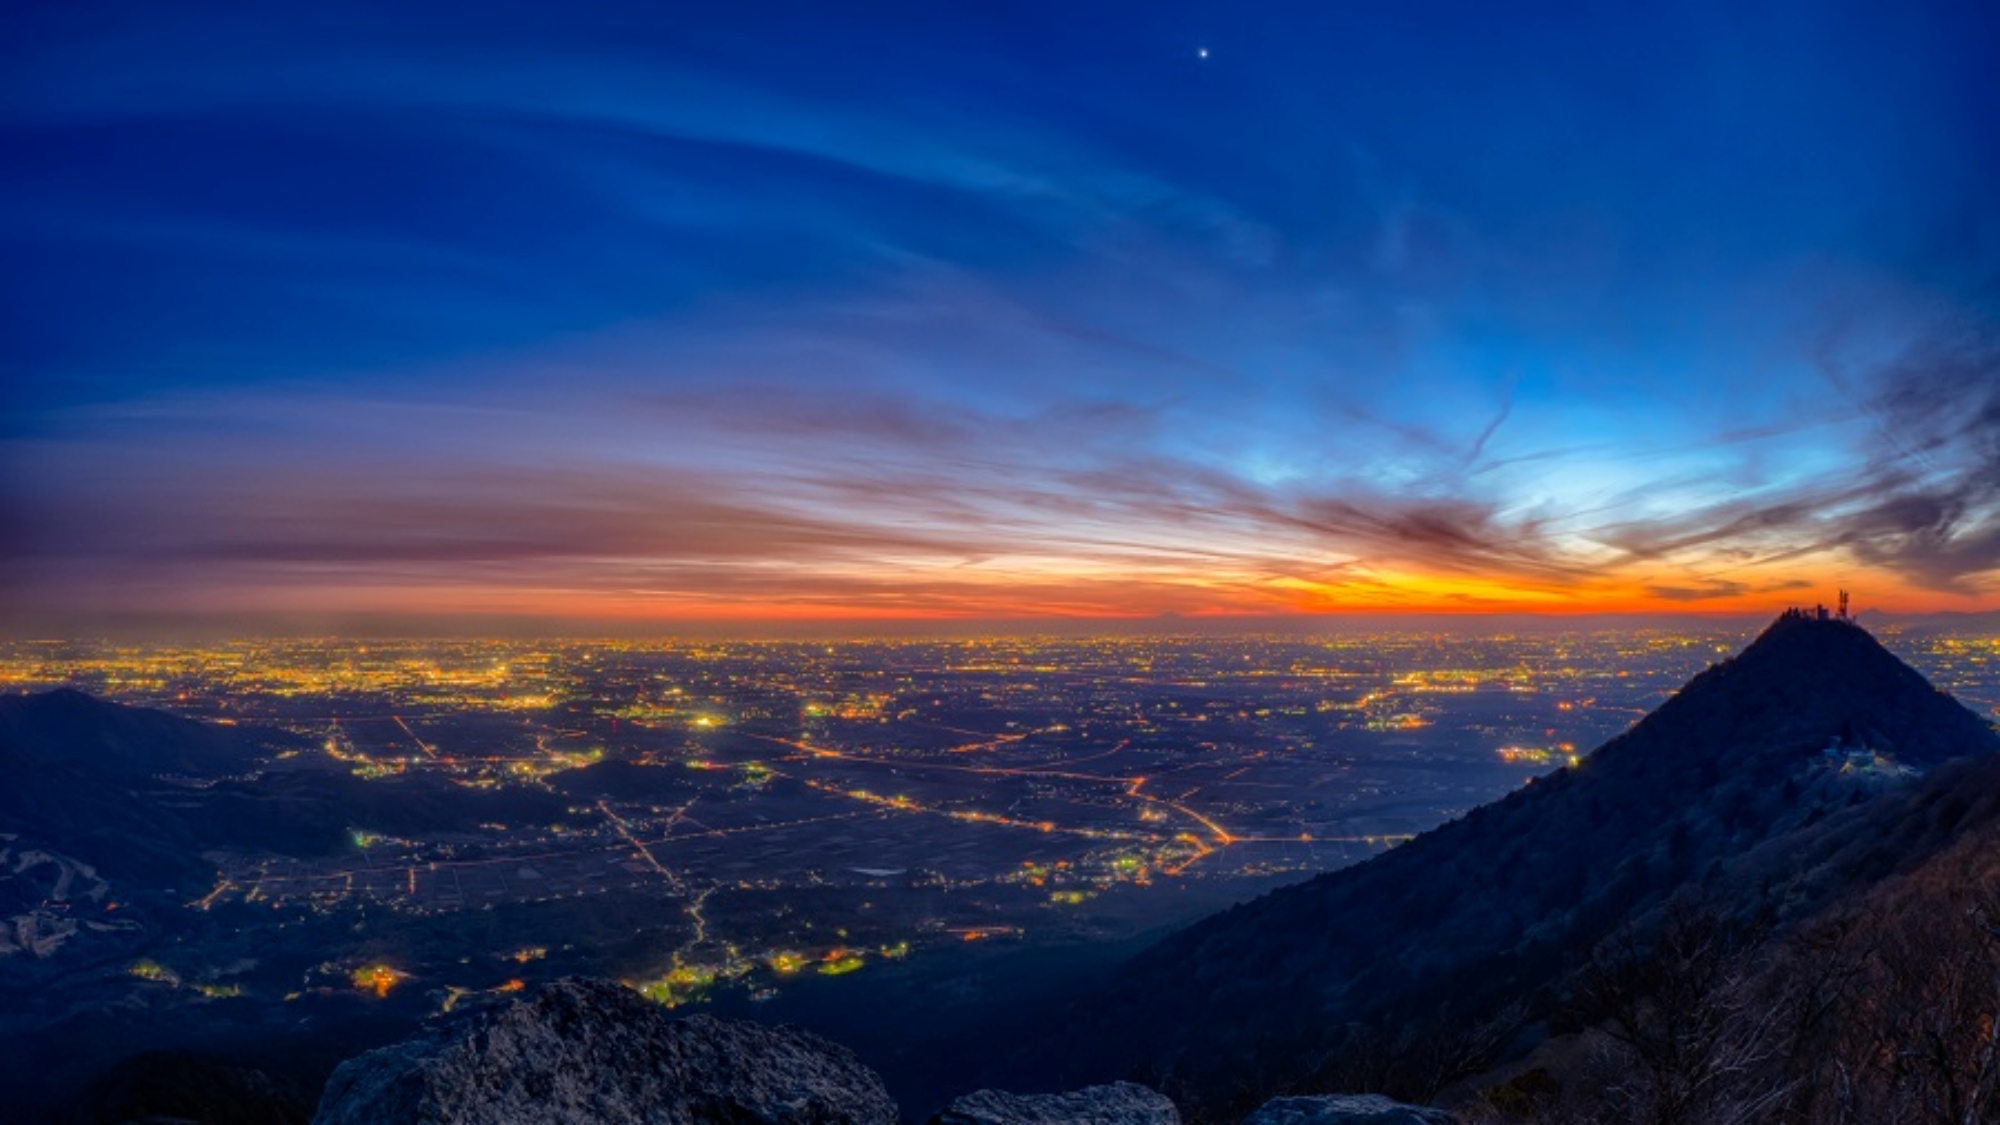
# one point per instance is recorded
(129, 632)
(127, 629)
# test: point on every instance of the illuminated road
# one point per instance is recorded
(645, 853)
(1222, 836)
(421, 744)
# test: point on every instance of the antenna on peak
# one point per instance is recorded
(1843, 606)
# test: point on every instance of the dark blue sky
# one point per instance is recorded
(769, 310)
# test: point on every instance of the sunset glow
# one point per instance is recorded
(1299, 311)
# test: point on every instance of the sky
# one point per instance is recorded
(753, 312)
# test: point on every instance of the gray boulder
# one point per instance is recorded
(1121, 1103)
(1346, 1109)
(585, 1051)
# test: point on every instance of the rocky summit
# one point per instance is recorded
(1119, 1103)
(583, 1052)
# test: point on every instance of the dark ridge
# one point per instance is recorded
(66, 727)
(104, 782)
(73, 771)
(1497, 905)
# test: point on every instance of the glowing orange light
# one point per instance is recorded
(378, 979)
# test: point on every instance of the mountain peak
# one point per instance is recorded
(1807, 634)
(67, 701)
(1809, 681)
(1499, 903)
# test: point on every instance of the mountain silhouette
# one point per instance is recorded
(84, 775)
(1496, 907)
(65, 727)
(141, 794)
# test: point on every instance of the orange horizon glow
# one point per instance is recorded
(1148, 600)
(636, 339)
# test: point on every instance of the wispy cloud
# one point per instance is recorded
(663, 317)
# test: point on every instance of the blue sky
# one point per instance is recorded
(767, 310)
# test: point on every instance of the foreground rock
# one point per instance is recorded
(1121, 1103)
(1346, 1109)
(582, 1051)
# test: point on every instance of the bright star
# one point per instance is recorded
(1201, 52)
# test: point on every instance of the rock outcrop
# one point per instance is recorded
(1120, 1103)
(1346, 1109)
(584, 1052)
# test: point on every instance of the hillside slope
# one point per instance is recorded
(1491, 909)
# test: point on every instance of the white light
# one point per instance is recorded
(1201, 52)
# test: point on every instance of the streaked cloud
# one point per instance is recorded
(988, 314)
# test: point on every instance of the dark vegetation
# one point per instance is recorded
(1880, 1008)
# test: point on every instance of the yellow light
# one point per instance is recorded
(378, 979)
